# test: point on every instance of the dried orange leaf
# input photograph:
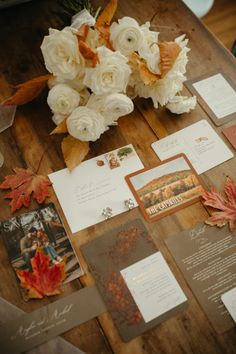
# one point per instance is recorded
(61, 128)
(83, 32)
(44, 280)
(22, 185)
(88, 53)
(226, 207)
(146, 75)
(104, 19)
(74, 151)
(169, 52)
(28, 91)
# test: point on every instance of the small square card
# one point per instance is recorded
(40, 230)
(199, 142)
(94, 185)
(134, 279)
(229, 300)
(165, 188)
(230, 134)
(217, 96)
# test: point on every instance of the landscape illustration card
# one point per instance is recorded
(94, 185)
(230, 133)
(36, 241)
(229, 300)
(165, 188)
(139, 289)
(206, 256)
(199, 142)
(217, 95)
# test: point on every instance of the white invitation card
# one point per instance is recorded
(153, 286)
(94, 185)
(229, 300)
(199, 142)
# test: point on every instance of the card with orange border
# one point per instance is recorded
(166, 187)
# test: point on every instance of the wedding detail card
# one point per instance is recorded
(133, 278)
(217, 95)
(153, 286)
(199, 142)
(94, 185)
(206, 256)
(229, 300)
(230, 134)
(166, 187)
(40, 252)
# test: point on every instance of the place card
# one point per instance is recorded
(229, 300)
(94, 185)
(153, 286)
(206, 256)
(217, 96)
(165, 187)
(113, 259)
(199, 142)
(230, 133)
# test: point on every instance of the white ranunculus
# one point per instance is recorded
(85, 124)
(149, 50)
(76, 83)
(61, 54)
(126, 35)
(110, 75)
(116, 105)
(181, 104)
(62, 99)
(96, 102)
(58, 118)
(81, 18)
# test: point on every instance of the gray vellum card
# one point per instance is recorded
(206, 256)
(39, 326)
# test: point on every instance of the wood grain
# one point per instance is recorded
(22, 31)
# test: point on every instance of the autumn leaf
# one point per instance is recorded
(83, 32)
(74, 151)
(44, 280)
(88, 53)
(28, 91)
(60, 128)
(22, 185)
(104, 20)
(226, 206)
(146, 75)
(169, 52)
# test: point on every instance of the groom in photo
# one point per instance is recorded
(28, 246)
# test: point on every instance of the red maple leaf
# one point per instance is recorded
(226, 206)
(22, 185)
(44, 280)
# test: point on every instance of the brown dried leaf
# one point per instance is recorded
(104, 20)
(28, 91)
(146, 75)
(169, 52)
(74, 151)
(83, 32)
(88, 53)
(61, 128)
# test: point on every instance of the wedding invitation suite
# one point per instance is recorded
(229, 300)
(199, 142)
(206, 256)
(133, 278)
(217, 95)
(166, 187)
(94, 185)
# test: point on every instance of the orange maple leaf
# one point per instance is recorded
(28, 91)
(22, 185)
(44, 280)
(104, 20)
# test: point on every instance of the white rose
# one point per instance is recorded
(116, 105)
(58, 118)
(110, 75)
(149, 49)
(85, 124)
(76, 83)
(62, 99)
(61, 54)
(181, 104)
(126, 35)
(81, 18)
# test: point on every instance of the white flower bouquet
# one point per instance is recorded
(98, 67)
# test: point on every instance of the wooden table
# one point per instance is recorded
(22, 31)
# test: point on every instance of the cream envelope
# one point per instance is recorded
(94, 185)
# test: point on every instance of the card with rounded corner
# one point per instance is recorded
(166, 187)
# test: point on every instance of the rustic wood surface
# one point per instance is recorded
(22, 31)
